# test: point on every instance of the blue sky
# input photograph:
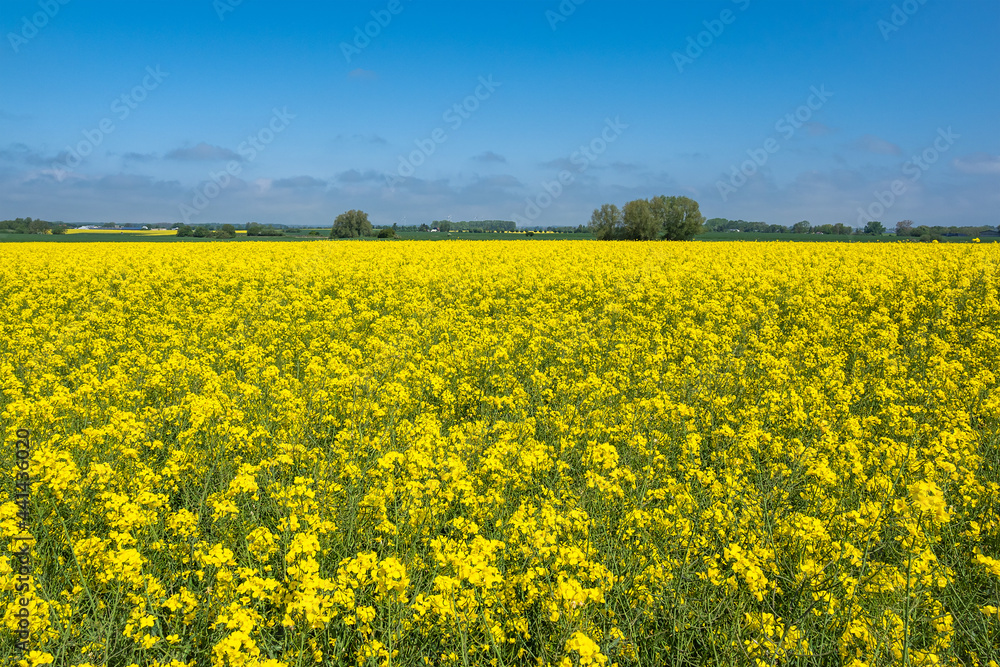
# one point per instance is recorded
(232, 111)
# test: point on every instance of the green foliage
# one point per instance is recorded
(679, 218)
(26, 226)
(387, 233)
(226, 232)
(669, 218)
(724, 225)
(471, 226)
(606, 222)
(350, 225)
(640, 223)
(875, 228)
(801, 227)
(837, 229)
(257, 229)
(939, 231)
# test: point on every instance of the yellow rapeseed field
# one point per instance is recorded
(501, 453)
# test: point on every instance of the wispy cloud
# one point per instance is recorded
(373, 139)
(138, 157)
(560, 163)
(816, 129)
(355, 176)
(490, 156)
(872, 144)
(203, 152)
(21, 153)
(299, 182)
(978, 163)
(625, 167)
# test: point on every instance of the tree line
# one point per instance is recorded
(474, 226)
(204, 232)
(801, 227)
(924, 233)
(903, 228)
(31, 226)
(667, 218)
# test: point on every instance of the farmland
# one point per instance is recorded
(502, 453)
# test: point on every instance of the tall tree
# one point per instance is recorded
(677, 218)
(606, 222)
(351, 224)
(875, 228)
(640, 223)
(904, 227)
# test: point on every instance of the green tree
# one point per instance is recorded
(37, 226)
(801, 227)
(875, 228)
(640, 222)
(677, 218)
(351, 225)
(606, 222)
(904, 227)
(226, 232)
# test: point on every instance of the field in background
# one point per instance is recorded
(505, 453)
(316, 234)
(829, 238)
(129, 232)
(301, 234)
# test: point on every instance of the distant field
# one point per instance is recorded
(491, 236)
(762, 236)
(305, 234)
(91, 235)
(131, 232)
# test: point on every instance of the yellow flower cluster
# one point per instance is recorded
(498, 453)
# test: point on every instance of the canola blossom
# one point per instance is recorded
(502, 453)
